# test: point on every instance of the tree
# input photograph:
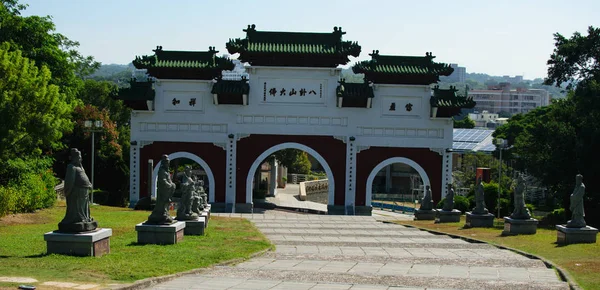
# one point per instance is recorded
(35, 36)
(99, 94)
(295, 160)
(33, 114)
(557, 142)
(465, 123)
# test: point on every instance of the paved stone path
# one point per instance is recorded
(351, 252)
(286, 198)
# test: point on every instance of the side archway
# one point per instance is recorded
(195, 158)
(291, 145)
(380, 166)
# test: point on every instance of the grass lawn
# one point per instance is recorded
(23, 249)
(582, 261)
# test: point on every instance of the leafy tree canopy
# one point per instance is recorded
(466, 123)
(33, 113)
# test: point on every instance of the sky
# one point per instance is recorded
(495, 37)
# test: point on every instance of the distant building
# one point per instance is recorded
(458, 76)
(511, 101)
(481, 119)
(512, 80)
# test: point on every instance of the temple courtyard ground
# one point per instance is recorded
(367, 252)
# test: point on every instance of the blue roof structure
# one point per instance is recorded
(473, 140)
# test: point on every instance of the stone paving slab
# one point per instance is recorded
(357, 252)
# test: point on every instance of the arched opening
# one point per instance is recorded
(258, 169)
(199, 168)
(399, 178)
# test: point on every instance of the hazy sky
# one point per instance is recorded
(494, 37)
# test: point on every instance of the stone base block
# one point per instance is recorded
(363, 210)
(206, 217)
(425, 215)
(479, 220)
(567, 236)
(336, 209)
(160, 234)
(207, 211)
(517, 226)
(96, 243)
(244, 207)
(195, 227)
(447, 216)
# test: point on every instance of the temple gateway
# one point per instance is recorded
(294, 97)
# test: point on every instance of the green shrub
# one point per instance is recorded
(530, 207)
(26, 185)
(461, 203)
(556, 217)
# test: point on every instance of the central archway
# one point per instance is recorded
(209, 174)
(380, 166)
(291, 145)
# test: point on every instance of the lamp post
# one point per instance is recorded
(501, 144)
(93, 126)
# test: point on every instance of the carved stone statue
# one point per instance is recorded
(164, 191)
(426, 202)
(479, 199)
(185, 210)
(77, 186)
(200, 195)
(449, 200)
(576, 205)
(520, 211)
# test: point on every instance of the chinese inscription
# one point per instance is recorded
(392, 107)
(409, 107)
(193, 102)
(292, 92)
(175, 101)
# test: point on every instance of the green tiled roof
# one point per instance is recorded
(183, 64)
(233, 87)
(307, 49)
(448, 102)
(137, 91)
(354, 90)
(402, 69)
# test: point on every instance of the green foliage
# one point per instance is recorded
(35, 36)
(27, 185)
(460, 203)
(295, 160)
(556, 142)
(556, 217)
(99, 94)
(111, 170)
(33, 113)
(466, 123)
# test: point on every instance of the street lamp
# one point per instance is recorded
(501, 144)
(93, 126)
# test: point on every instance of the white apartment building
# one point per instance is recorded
(510, 101)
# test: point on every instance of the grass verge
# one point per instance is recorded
(23, 249)
(581, 261)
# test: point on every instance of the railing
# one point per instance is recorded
(297, 178)
(314, 187)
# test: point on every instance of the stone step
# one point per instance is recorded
(415, 275)
(234, 283)
(428, 239)
(413, 256)
(348, 232)
(305, 225)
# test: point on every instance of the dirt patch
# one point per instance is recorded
(24, 219)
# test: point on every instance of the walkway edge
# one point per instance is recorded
(149, 282)
(564, 275)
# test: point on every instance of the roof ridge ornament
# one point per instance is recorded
(251, 28)
(158, 48)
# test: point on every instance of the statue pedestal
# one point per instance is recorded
(95, 244)
(567, 236)
(206, 216)
(425, 215)
(479, 220)
(160, 234)
(519, 226)
(447, 216)
(195, 227)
